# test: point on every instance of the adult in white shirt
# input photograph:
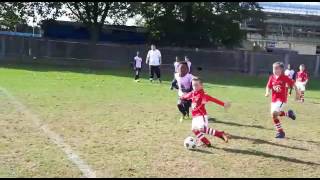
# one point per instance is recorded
(137, 66)
(290, 73)
(154, 61)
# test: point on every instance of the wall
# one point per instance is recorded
(38, 50)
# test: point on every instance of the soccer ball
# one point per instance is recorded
(189, 143)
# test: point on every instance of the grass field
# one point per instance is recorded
(125, 129)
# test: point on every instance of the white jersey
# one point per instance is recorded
(154, 57)
(189, 65)
(289, 73)
(176, 64)
(184, 83)
(138, 61)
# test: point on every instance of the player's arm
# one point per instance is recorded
(268, 87)
(307, 79)
(267, 92)
(292, 84)
(148, 57)
(134, 63)
(217, 101)
(298, 93)
(160, 60)
(186, 96)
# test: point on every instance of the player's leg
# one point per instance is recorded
(158, 73)
(301, 87)
(302, 96)
(214, 132)
(181, 109)
(276, 107)
(139, 71)
(136, 74)
(151, 72)
(174, 84)
(187, 107)
(302, 90)
(290, 91)
(197, 129)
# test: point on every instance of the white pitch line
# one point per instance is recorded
(54, 137)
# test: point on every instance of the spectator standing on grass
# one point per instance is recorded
(137, 66)
(154, 61)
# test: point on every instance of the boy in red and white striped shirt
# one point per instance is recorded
(277, 84)
(199, 114)
(302, 79)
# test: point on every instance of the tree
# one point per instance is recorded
(197, 23)
(11, 14)
(94, 14)
(14, 13)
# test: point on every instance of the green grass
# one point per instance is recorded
(127, 129)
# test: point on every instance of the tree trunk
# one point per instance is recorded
(95, 30)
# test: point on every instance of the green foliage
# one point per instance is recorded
(198, 24)
(94, 14)
(11, 14)
(194, 24)
(15, 13)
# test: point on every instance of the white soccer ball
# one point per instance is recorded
(190, 143)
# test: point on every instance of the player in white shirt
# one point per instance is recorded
(137, 66)
(290, 73)
(186, 59)
(154, 61)
(184, 83)
(174, 81)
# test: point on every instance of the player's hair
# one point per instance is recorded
(197, 79)
(183, 63)
(280, 64)
(303, 65)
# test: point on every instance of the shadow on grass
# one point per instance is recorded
(260, 141)
(202, 151)
(237, 124)
(266, 155)
(213, 77)
(308, 141)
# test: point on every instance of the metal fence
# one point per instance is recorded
(56, 52)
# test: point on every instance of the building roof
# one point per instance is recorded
(302, 8)
(109, 27)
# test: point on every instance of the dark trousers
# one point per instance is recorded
(154, 70)
(184, 106)
(137, 75)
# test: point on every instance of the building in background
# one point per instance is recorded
(288, 26)
(74, 31)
